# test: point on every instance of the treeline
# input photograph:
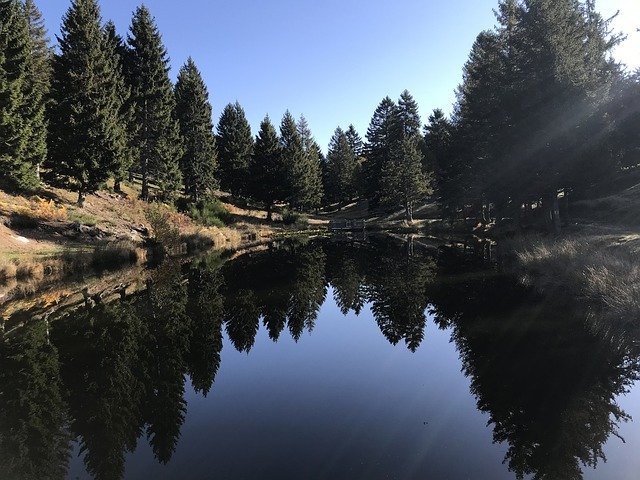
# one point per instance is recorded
(543, 112)
(103, 107)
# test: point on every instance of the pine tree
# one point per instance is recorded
(341, 168)
(355, 141)
(403, 179)
(235, 148)
(87, 129)
(267, 169)
(158, 138)
(39, 69)
(194, 112)
(377, 149)
(294, 161)
(405, 120)
(440, 159)
(313, 187)
(16, 118)
(128, 151)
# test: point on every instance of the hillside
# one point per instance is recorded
(41, 229)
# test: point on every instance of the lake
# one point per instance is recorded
(338, 358)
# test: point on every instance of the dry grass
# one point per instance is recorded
(603, 271)
(30, 268)
(619, 209)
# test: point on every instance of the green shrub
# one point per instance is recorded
(211, 213)
(291, 217)
(165, 234)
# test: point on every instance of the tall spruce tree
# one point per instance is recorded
(294, 161)
(440, 160)
(403, 179)
(39, 69)
(235, 148)
(158, 137)
(194, 111)
(128, 150)
(16, 117)
(378, 148)
(355, 141)
(267, 168)
(341, 168)
(313, 187)
(87, 131)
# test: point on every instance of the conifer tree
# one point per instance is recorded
(313, 187)
(439, 159)
(528, 108)
(378, 148)
(87, 129)
(294, 161)
(267, 169)
(235, 148)
(403, 179)
(406, 119)
(39, 69)
(341, 168)
(158, 137)
(194, 111)
(128, 151)
(355, 141)
(16, 117)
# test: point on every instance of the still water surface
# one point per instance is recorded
(327, 359)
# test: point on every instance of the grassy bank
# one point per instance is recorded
(595, 265)
(47, 236)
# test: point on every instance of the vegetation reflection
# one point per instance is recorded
(110, 372)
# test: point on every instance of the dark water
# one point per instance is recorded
(327, 359)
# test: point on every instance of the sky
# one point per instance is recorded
(331, 60)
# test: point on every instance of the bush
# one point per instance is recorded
(114, 255)
(165, 234)
(291, 217)
(211, 213)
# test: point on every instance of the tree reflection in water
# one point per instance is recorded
(544, 369)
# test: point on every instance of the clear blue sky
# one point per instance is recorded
(332, 60)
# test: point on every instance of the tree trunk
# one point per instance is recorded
(408, 212)
(557, 224)
(131, 177)
(564, 208)
(81, 197)
(485, 212)
(117, 187)
(552, 211)
(145, 182)
(269, 212)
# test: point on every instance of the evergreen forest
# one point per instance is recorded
(544, 116)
